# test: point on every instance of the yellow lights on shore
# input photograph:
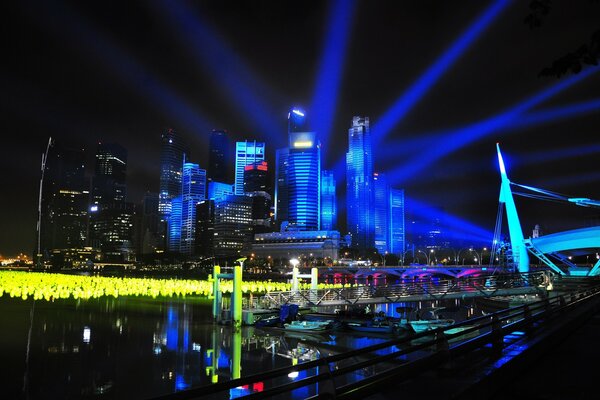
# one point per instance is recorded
(49, 286)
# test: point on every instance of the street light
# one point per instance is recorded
(477, 256)
(425, 254)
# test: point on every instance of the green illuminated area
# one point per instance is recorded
(49, 286)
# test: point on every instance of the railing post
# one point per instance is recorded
(497, 336)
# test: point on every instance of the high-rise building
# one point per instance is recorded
(381, 212)
(359, 185)
(112, 229)
(65, 200)
(218, 190)
(328, 201)
(397, 229)
(304, 182)
(111, 217)
(255, 177)
(205, 228)
(246, 153)
(218, 155)
(173, 224)
(233, 225)
(110, 171)
(172, 153)
(193, 191)
(147, 240)
(281, 186)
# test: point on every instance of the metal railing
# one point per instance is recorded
(486, 285)
(365, 371)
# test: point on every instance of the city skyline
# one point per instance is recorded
(124, 73)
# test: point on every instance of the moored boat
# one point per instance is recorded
(308, 325)
(423, 325)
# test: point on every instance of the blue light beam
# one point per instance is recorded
(324, 101)
(245, 91)
(455, 139)
(418, 89)
(74, 28)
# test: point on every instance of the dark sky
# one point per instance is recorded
(124, 71)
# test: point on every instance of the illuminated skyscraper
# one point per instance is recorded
(193, 192)
(232, 225)
(359, 185)
(328, 201)
(304, 182)
(65, 200)
(246, 153)
(397, 229)
(109, 181)
(381, 212)
(218, 154)
(171, 161)
(255, 177)
(281, 185)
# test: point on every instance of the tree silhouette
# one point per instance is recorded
(587, 53)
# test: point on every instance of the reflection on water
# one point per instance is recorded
(141, 348)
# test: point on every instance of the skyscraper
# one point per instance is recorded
(359, 185)
(110, 170)
(65, 199)
(218, 155)
(381, 212)
(304, 182)
(328, 201)
(193, 192)
(232, 225)
(171, 161)
(397, 228)
(255, 177)
(246, 153)
(281, 186)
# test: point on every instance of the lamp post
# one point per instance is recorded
(425, 254)
(432, 256)
(477, 256)
(236, 298)
(294, 262)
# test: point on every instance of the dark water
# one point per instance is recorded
(141, 348)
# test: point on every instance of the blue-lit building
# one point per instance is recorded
(246, 153)
(381, 212)
(218, 190)
(304, 182)
(172, 153)
(218, 157)
(193, 192)
(328, 201)
(397, 241)
(359, 185)
(281, 202)
(174, 225)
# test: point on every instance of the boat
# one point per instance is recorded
(422, 325)
(308, 325)
(371, 328)
(269, 321)
(497, 303)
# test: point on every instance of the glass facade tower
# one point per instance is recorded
(359, 185)
(381, 212)
(397, 228)
(218, 155)
(246, 153)
(193, 192)
(304, 182)
(328, 201)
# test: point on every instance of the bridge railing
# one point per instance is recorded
(486, 285)
(364, 371)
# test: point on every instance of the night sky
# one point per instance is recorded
(124, 71)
